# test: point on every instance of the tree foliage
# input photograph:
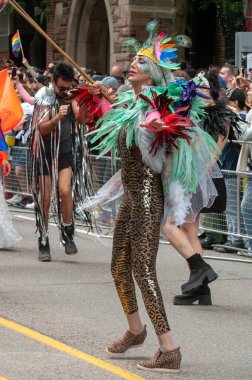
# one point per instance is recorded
(234, 6)
(230, 16)
(41, 9)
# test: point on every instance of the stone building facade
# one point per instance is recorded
(90, 31)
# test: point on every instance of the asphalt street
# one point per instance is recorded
(72, 303)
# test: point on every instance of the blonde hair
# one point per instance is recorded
(160, 75)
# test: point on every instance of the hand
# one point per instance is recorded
(6, 167)
(156, 124)
(97, 89)
(25, 62)
(234, 83)
(62, 111)
(19, 126)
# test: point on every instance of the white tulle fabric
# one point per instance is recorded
(8, 235)
(103, 206)
(182, 207)
(179, 205)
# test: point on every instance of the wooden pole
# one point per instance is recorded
(50, 40)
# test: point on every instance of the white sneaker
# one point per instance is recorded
(30, 205)
(16, 198)
(245, 253)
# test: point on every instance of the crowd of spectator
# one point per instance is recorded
(235, 89)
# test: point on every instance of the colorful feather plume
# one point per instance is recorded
(161, 48)
(183, 41)
(177, 124)
(177, 127)
(152, 29)
(86, 101)
(133, 45)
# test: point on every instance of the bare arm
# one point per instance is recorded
(26, 64)
(47, 125)
(24, 94)
(80, 117)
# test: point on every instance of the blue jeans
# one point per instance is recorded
(232, 209)
(246, 208)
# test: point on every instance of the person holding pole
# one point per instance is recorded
(53, 148)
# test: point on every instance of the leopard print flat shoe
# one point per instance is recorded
(126, 342)
(163, 362)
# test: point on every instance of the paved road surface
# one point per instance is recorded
(73, 301)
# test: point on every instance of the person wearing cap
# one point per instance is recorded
(111, 83)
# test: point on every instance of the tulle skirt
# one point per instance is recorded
(8, 235)
(188, 185)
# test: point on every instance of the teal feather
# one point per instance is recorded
(152, 29)
(183, 41)
(133, 45)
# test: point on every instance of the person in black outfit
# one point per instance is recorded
(54, 164)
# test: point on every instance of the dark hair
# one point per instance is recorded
(44, 79)
(213, 80)
(231, 68)
(237, 94)
(63, 71)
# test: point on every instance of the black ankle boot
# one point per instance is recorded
(44, 249)
(202, 295)
(200, 272)
(67, 234)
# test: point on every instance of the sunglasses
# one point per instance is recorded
(63, 89)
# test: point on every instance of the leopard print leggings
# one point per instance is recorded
(136, 238)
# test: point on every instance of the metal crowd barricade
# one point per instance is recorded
(17, 181)
(103, 169)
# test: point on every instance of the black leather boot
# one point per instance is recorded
(200, 272)
(202, 295)
(44, 249)
(67, 234)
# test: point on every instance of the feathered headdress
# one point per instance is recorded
(160, 48)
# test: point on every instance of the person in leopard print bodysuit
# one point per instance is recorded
(138, 221)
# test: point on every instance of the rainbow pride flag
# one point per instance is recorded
(16, 44)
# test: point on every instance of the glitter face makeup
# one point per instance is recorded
(140, 71)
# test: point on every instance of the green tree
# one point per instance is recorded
(39, 11)
(230, 17)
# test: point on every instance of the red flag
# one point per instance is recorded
(11, 111)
